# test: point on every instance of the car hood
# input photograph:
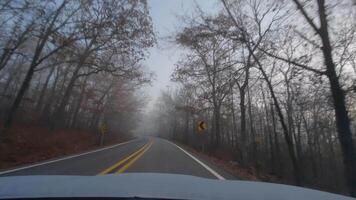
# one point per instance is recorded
(152, 185)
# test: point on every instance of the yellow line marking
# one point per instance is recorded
(124, 160)
(127, 165)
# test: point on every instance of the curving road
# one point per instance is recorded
(139, 155)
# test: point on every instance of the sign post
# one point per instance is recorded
(201, 129)
(103, 131)
(201, 126)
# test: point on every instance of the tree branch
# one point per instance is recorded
(293, 62)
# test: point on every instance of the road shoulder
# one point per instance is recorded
(206, 160)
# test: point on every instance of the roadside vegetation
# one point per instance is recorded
(28, 144)
(275, 83)
(66, 68)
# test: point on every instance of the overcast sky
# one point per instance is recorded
(163, 56)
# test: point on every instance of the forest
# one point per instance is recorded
(275, 82)
(69, 66)
(72, 63)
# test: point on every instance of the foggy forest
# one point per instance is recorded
(274, 81)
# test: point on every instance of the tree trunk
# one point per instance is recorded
(242, 142)
(79, 103)
(234, 127)
(217, 126)
(252, 128)
(311, 149)
(5, 57)
(45, 114)
(270, 136)
(12, 76)
(43, 91)
(60, 111)
(276, 140)
(19, 96)
(342, 123)
(25, 84)
(341, 115)
(287, 137)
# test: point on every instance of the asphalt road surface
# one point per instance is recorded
(139, 155)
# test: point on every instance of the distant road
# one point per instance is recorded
(139, 155)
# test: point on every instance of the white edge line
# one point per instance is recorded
(200, 162)
(65, 158)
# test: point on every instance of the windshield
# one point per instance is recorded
(220, 89)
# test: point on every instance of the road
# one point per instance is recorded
(139, 155)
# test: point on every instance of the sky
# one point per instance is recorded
(165, 16)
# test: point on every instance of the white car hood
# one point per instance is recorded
(153, 185)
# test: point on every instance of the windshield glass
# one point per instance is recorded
(220, 89)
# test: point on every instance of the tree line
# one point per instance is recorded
(275, 82)
(73, 63)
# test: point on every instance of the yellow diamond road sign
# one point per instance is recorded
(103, 128)
(201, 126)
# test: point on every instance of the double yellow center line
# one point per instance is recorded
(125, 163)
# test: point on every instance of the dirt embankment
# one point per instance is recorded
(28, 144)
